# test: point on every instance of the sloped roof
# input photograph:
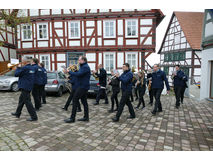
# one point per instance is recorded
(191, 24)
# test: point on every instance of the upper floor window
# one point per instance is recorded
(109, 29)
(131, 28)
(42, 31)
(74, 29)
(27, 32)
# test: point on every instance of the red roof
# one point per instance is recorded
(191, 24)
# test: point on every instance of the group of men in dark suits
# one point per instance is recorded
(32, 77)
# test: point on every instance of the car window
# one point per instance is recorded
(10, 73)
(61, 75)
(51, 75)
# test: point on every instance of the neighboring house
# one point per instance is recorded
(181, 45)
(111, 37)
(206, 90)
(7, 43)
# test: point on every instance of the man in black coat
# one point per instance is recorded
(83, 77)
(102, 75)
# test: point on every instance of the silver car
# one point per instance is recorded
(56, 83)
(8, 81)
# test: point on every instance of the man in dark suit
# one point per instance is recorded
(179, 84)
(126, 87)
(44, 82)
(26, 76)
(83, 76)
(102, 75)
(158, 79)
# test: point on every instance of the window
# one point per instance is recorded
(109, 29)
(131, 28)
(166, 70)
(109, 62)
(131, 59)
(45, 59)
(166, 57)
(26, 32)
(42, 31)
(175, 56)
(74, 29)
(182, 56)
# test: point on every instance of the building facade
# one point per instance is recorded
(8, 43)
(206, 90)
(181, 45)
(57, 37)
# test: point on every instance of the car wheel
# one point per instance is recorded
(14, 87)
(60, 92)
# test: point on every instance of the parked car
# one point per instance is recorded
(94, 86)
(8, 81)
(56, 83)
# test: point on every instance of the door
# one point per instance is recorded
(211, 81)
(72, 57)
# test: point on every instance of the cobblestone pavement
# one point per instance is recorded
(189, 128)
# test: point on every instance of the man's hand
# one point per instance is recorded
(117, 75)
(94, 71)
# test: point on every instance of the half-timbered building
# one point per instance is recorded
(57, 37)
(7, 42)
(206, 90)
(181, 45)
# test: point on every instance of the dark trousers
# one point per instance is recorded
(43, 94)
(70, 99)
(80, 93)
(141, 99)
(125, 100)
(136, 92)
(182, 93)
(114, 99)
(131, 96)
(151, 95)
(157, 93)
(177, 90)
(37, 92)
(25, 98)
(101, 91)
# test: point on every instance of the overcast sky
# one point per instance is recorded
(161, 29)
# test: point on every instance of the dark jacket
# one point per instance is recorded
(26, 76)
(126, 81)
(83, 76)
(115, 83)
(44, 76)
(38, 75)
(74, 81)
(180, 79)
(149, 75)
(102, 77)
(143, 87)
(158, 79)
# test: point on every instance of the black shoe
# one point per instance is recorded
(96, 103)
(32, 119)
(159, 110)
(110, 111)
(69, 120)
(143, 107)
(83, 119)
(64, 108)
(16, 115)
(177, 106)
(137, 107)
(150, 103)
(37, 109)
(78, 110)
(131, 117)
(115, 119)
(153, 113)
